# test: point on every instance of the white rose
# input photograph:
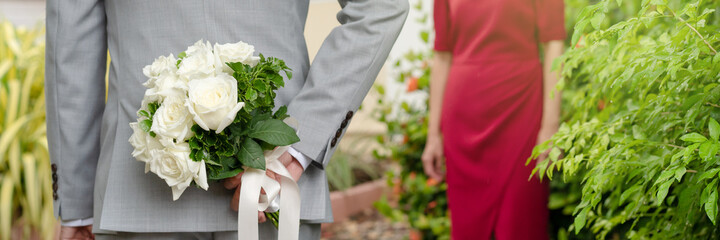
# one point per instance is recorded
(164, 86)
(213, 102)
(161, 65)
(199, 62)
(234, 52)
(172, 119)
(142, 144)
(173, 164)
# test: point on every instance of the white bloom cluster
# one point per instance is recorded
(200, 90)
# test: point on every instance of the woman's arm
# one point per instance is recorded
(433, 156)
(551, 97)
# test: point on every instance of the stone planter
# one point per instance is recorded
(357, 198)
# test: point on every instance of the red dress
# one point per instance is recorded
(491, 113)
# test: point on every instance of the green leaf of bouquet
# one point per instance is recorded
(693, 137)
(230, 162)
(260, 86)
(143, 113)
(211, 162)
(242, 85)
(211, 139)
(281, 113)
(250, 94)
(152, 107)
(199, 132)
(275, 132)
(288, 73)
(226, 149)
(145, 125)
(251, 154)
(237, 66)
(226, 174)
(277, 79)
(714, 129)
(194, 144)
(258, 116)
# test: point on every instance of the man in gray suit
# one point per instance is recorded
(98, 185)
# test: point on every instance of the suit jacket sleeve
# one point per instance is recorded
(343, 71)
(76, 55)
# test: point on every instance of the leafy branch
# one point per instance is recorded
(694, 30)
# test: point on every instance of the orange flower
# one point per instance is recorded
(601, 104)
(432, 205)
(415, 235)
(431, 182)
(413, 175)
(412, 84)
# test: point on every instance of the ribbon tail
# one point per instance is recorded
(248, 204)
(290, 205)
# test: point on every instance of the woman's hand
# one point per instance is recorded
(551, 96)
(546, 132)
(433, 157)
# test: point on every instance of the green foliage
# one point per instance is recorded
(257, 85)
(641, 102)
(349, 169)
(255, 128)
(26, 195)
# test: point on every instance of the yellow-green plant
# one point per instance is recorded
(25, 175)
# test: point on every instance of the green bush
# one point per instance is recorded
(25, 175)
(640, 141)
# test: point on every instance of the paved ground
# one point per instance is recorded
(369, 224)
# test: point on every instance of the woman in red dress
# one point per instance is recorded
(490, 104)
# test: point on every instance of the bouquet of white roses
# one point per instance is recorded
(208, 115)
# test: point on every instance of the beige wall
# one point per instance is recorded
(320, 22)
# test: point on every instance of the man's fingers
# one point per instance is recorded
(235, 199)
(233, 182)
(285, 158)
(71, 233)
(273, 175)
(261, 217)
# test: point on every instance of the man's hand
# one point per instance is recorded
(293, 166)
(76, 233)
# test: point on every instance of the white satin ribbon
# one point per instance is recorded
(248, 205)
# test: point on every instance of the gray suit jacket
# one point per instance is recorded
(88, 135)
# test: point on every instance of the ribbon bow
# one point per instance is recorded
(248, 205)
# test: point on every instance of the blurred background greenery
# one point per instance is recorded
(25, 176)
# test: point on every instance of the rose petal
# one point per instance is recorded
(196, 117)
(177, 191)
(230, 117)
(201, 179)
